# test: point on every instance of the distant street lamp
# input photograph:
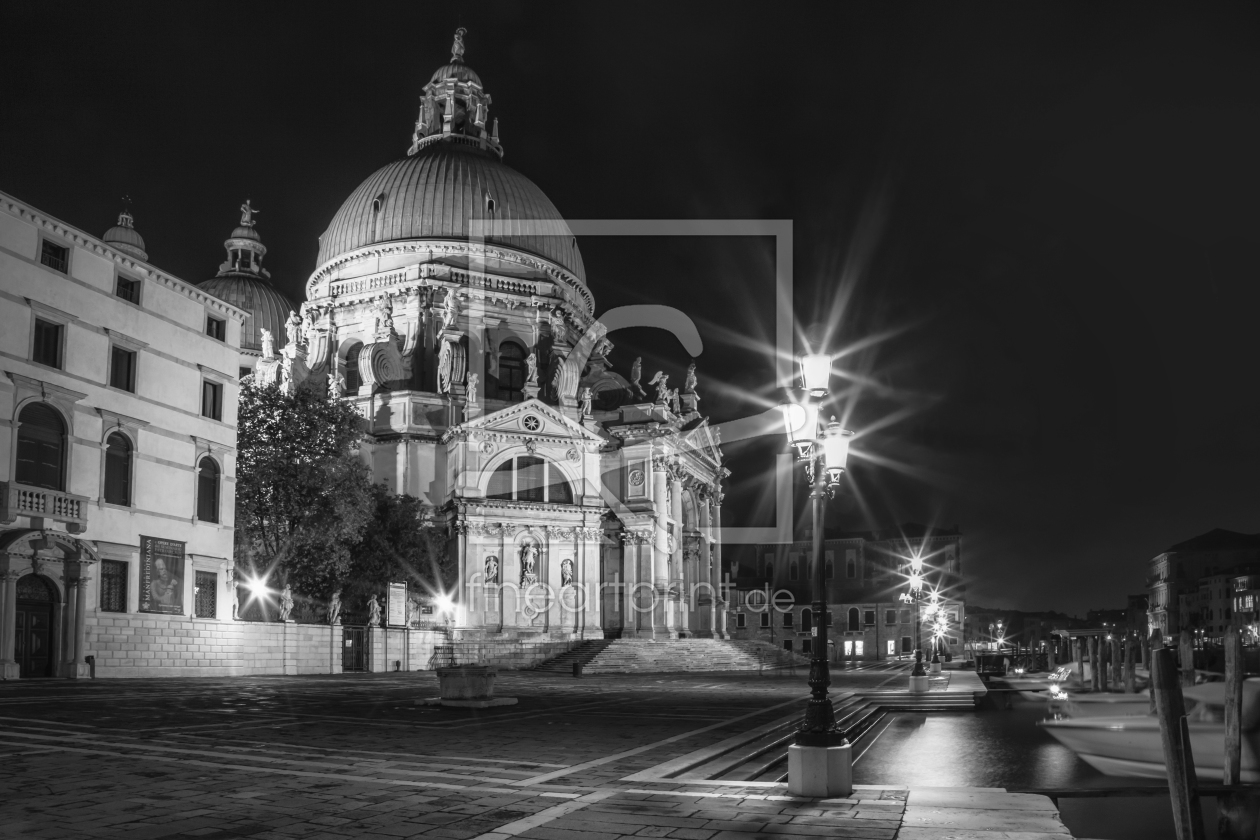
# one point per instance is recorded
(820, 760)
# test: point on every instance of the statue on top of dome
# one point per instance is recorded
(457, 49)
(247, 214)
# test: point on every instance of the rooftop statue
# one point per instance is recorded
(636, 373)
(457, 49)
(661, 381)
(247, 214)
(689, 384)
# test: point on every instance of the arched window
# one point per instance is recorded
(854, 619)
(528, 479)
(117, 469)
(208, 490)
(41, 448)
(353, 382)
(807, 620)
(511, 371)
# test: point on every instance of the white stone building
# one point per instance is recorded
(117, 439)
(451, 304)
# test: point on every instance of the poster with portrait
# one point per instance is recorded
(161, 576)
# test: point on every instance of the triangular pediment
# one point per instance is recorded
(532, 417)
(703, 440)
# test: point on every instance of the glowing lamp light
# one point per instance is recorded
(444, 603)
(816, 373)
(257, 587)
(836, 450)
(916, 582)
(916, 563)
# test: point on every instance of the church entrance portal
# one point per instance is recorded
(33, 645)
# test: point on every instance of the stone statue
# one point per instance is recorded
(529, 560)
(636, 374)
(673, 401)
(247, 214)
(559, 329)
(374, 612)
(587, 400)
(661, 381)
(444, 368)
(492, 569)
(383, 329)
(473, 380)
(450, 311)
(457, 49)
(334, 608)
(689, 384)
(268, 343)
(293, 329)
(566, 572)
(531, 365)
(286, 602)
(236, 594)
(338, 386)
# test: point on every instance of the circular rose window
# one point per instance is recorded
(531, 423)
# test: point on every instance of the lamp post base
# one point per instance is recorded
(820, 772)
(935, 668)
(918, 685)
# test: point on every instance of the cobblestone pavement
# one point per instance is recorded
(357, 756)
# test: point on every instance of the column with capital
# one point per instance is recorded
(65, 645)
(9, 669)
(678, 599)
(719, 629)
(707, 578)
(79, 667)
(661, 627)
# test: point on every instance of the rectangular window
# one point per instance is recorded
(128, 289)
(205, 595)
(807, 645)
(122, 369)
(905, 616)
(211, 400)
(890, 617)
(113, 586)
(241, 373)
(216, 328)
(765, 618)
(868, 617)
(56, 257)
(787, 619)
(787, 644)
(47, 349)
(741, 620)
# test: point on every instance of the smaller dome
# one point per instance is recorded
(457, 70)
(267, 308)
(243, 232)
(124, 237)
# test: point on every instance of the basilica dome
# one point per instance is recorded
(452, 173)
(123, 236)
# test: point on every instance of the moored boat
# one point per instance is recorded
(1130, 745)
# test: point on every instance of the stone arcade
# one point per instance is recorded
(450, 304)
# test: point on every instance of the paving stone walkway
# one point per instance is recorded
(356, 756)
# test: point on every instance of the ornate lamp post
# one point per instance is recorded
(918, 677)
(820, 762)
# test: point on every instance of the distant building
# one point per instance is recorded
(1175, 601)
(866, 572)
(117, 454)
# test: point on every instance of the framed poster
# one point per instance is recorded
(161, 576)
(397, 606)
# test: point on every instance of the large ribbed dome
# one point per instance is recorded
(267, 308)
(432, 195)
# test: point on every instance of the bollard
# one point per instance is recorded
(577, 669)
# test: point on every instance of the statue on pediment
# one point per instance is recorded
(293, 329)
(661, 381)
(531, 366)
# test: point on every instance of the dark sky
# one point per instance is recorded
(1044, 215)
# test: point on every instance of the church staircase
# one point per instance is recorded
(648, 656)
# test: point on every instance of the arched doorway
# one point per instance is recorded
(34, 645)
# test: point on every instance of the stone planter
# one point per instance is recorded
(918, 685)
(935, 668)
(469, 682)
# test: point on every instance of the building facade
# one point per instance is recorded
(866, 574)
(117, 440)
(1174, 598)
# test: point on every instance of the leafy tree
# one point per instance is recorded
(398, 545)
(303, 498)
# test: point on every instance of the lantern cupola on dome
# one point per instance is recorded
(455, 108)
(123, 237)
(244, 283)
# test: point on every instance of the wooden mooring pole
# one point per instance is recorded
(1174, 733)
(1130, 667)
(1153, 645)
(1186, 652)
(1116, 664)
(1095, 676)
(1080, 659)
(1238, 811)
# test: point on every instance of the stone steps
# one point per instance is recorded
(583, 652)
(683, 655)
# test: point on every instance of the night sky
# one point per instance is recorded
(1039, 222)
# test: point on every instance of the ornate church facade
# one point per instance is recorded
(450, 304)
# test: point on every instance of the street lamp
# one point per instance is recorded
(820, 760)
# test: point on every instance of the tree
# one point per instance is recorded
(302, 495)
(398, 545)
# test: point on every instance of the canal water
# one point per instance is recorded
(999, 747)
